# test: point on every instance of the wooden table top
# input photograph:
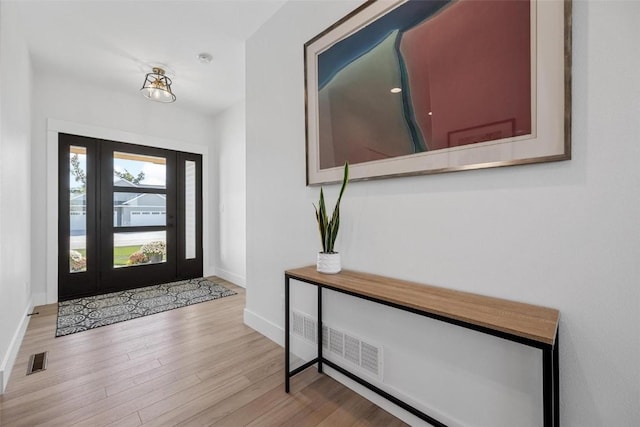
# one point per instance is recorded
(523, 320)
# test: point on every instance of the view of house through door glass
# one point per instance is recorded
(130, 216)
(78, 209)
(133, 208)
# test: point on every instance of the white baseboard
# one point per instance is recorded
(12, 352)
(276, 334)
(236, 279)
(270, 330)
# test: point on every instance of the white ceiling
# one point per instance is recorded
(115, 42)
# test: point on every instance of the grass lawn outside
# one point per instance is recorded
(120, 253)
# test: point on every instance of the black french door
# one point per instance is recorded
(129, 216)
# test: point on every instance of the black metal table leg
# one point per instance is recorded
(287, 344)
(319, 329)
(547, 386)
(556, 382)
(551, 384)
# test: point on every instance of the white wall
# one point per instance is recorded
(76, 107)
(228, 205)
(564, 235)
(15, 183)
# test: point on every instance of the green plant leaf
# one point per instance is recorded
(320, 226)
(322, 221)
(334, 226)
(329, 228)
(345, 179)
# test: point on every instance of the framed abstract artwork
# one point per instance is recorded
(409, 87)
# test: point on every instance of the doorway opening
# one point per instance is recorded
(129, 216)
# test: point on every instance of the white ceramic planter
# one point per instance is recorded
(328, 263)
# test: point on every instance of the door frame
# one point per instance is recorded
(54, 127)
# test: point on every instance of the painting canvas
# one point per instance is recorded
(425, 86)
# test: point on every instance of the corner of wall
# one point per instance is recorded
(263, 326)
(39, 298)
(232, 277)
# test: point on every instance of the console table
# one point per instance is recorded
(530, 325)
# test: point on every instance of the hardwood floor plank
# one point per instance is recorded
(75, 387)
(378, 417)
(51, 377)
(306, 402)
(222, 358)
(349, 412)
(212, 392)
(213, 413)
(246, 414)
(39, 385)
(194, 366)
(113, 408)
(132, 420)
(181, 408)
(34, 416)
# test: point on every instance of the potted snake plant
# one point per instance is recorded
(329, 260)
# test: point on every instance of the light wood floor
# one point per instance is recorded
(194, 366)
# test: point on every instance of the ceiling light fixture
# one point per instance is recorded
(157, 86)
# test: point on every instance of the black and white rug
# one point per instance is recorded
(81, 314)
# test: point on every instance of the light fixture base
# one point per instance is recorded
(157, 86)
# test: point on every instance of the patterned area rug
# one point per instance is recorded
(92, 312)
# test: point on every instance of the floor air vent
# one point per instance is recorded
(37, 363)
(366, 356)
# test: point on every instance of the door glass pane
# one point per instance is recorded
(139, 209)
(77, 209)
(131, 249)
(190, 209)
(137, 170)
